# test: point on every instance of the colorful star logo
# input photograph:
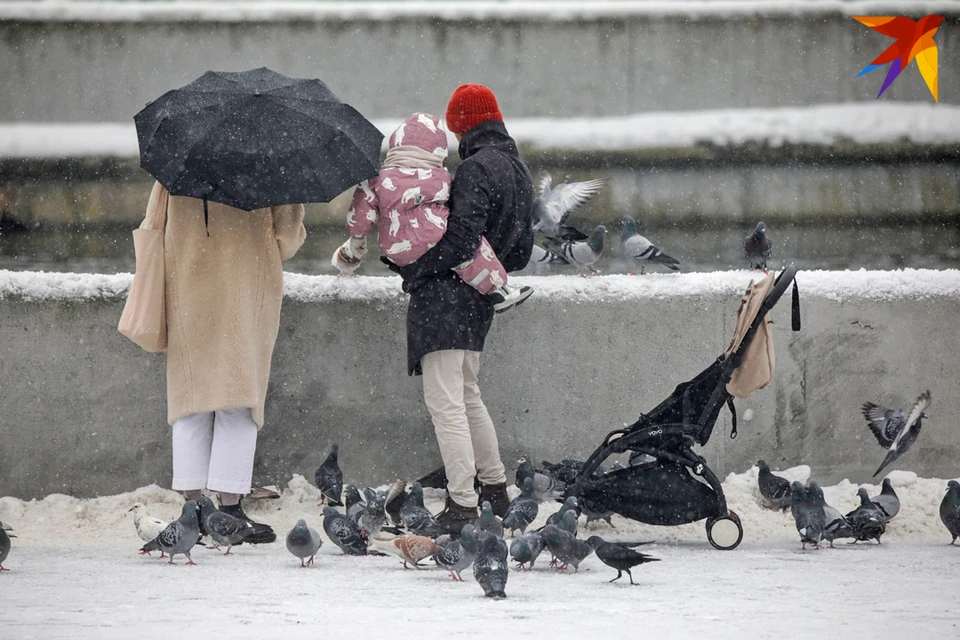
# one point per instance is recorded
(914, 40)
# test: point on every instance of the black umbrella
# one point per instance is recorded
(255, 139)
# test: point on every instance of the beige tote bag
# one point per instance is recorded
(144, 318)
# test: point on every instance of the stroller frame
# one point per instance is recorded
(668, 434)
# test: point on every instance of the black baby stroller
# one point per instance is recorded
(666, 482)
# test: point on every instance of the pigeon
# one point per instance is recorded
(554, 206)
(637, 248)
(757, 247)
(867, 521)
(808, 515)
(569, 522)
(303, 542)
(526, 549)
(522, 510)
(223, 527)
(887, 500)
(618, 556)
(539, 261)
(374, 516)
(774, 489)
(343, 532)
(835, 525)
(418, 518)
(490, 567)
(565, 471)
(409, 548)
(949, 512)
(893, 429)
(457, 555)
(354, 503)
(568, 504)
(489, 522)
(179, 536)
(567, 549)
(593, 513)
(5, 544)
(329, 479)
(577, 253)
(148, 527)
(544, 487)
(396, 497)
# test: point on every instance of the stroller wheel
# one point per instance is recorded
(725, 532)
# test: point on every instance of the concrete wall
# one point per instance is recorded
(83, 409)
(58, 68)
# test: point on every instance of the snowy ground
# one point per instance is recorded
(74, 573)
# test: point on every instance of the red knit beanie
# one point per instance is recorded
(470, 105)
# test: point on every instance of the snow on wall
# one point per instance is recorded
(863, 123)
(564, 10)
(832, 285)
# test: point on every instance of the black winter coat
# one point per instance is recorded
(492, 196)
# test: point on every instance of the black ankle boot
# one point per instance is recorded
(454, 516)
(262, 533)
(496, 495)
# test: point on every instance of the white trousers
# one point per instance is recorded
(214, 450)
(465, 432)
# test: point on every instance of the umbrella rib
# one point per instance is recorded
(315, 119)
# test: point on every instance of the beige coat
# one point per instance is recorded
(223, 295)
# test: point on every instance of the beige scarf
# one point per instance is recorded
(408, 157)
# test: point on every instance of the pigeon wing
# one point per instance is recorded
(567, 197)
(171, 535)
(884, 423)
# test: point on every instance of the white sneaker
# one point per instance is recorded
(506, 297)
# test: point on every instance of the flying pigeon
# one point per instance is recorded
(526, 549)
(580, 254)
(637, 248)
(808, 515)
(418, 518)
(148, 527)
(949, 512)
(354, 503)
(618, 556)
(893, 429)
(374, 516)
(887, 500)
(5, 544)
(757, 247)
(868, 520)
(457, 555)
(835, 525)
(554, 206)
(568, 504)
(488, 521)
(329, 479)
(522, 510)
(343, 532)
(544, 487)
(397, 496)
(223, 527)
(410, 548)
(303, 542)
(179, 536)
(774, 489)
(490, 567)
(567, 549)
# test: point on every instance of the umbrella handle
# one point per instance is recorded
(206, 216)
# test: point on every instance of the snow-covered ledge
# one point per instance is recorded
(582, 357)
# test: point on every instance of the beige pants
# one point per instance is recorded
(465, 432)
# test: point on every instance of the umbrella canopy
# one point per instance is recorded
(254, 139)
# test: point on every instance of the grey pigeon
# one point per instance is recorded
(868, 520)
(893, 430)
(757, 247)
(539, 261)
(457, 555)
(567, 549)
(553, 207)
(544, 487)
(522, 510)
(488, 521)
(223, 527)
(949, 511)
(374, 516)
(592, 513)
(303, 542)
(418, 518)
(774, 489)
(618, 556)
(641, 251)
(397, 496)
(354, 503)
(343, 532)
(835, 525)
(4, 544)
(329, 478)
(490, 567)
(569, 522)
(180, 536)
(526, 549)
(580, 254)
(808, 515)
(570, 503)
(887, 500)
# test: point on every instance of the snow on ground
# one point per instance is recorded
(859, 122)
(75, 573)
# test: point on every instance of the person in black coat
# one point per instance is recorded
(447, 320)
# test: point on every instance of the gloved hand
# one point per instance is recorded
(409, 283)
(349, 255)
